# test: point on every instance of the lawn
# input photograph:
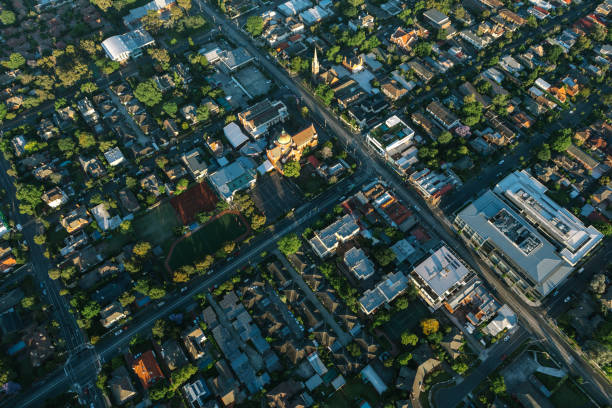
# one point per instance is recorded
(406, 320)
(207, 240)
(157, 225)
(349, 395)
(569, 395)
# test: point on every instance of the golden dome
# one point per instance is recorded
(284, 138)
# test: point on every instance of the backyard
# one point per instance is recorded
(206, 240)
(353, 392)
(406, 320)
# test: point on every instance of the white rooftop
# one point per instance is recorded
(529, 195)
(442, 270)
(234, 135)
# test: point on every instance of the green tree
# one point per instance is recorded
(498, 385)
(289, 244)
(544, 153)
(292, 169)
(3, 111)
(170, 108)
(445, 137)
(258, 221)
(148, 93)
(254, 25)
(7, 17)
(54, 273)
(126, 298)
(157, 293)
(562, 140)
(86, 139)
(90, 310)
(89, 87)
(141, 249)
(404, 358)
(160, 55)
(409, 339)
(40, 239)
(202, 113)
(28, 302)
(553, 54)
(15, 61)
(460, 367)
(383, 255)
(159, 329)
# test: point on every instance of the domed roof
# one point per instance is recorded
(284, 138)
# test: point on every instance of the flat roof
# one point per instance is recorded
(542, 265)
(442, 270)
(529, 195)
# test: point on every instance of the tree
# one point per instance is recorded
(157, 293)
(170, 108)
(544, 152)
(202, 113)
(422, 49)
(7, 17)
(402, 303)
(289, 244)
(159, 329)
(5, 371)
(383, 255)
(184, 4)
(66, 144)
(40, 239)
(15, 61)
(553, 54)
(258, 221)
(86, 139)
(125, 227)
(160, 55)
(445, 137)
(54, 273)
(409, 339)
(89, 87)
(292, 169)
(498, 385)
(148, 93)
(68, 273)
(204, 264)
(90, 310)
(28, 302)
(229, 247)
(3, 111)
(599, 353)
(404, 358)
(141, 249)
(562, 140)
(151, 21)
(254, 25)
(429, 326)
(598, 283)
(126, 298)
(103, 4)
(460, 367)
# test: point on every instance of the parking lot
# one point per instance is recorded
(255, 83)
(275, 195)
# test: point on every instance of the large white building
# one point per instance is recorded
(326, 241)
(525, 235)
(440, 276)
(121, 47)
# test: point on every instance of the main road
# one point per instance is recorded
(111, 344)
(598, 386)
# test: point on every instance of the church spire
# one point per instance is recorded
(315, 64)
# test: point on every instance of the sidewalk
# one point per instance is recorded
(343, 338)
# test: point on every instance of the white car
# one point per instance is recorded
(506, 338)
(567, 299)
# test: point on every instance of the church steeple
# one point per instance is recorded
(315, 64)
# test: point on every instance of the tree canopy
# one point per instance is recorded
(289, 244)
(148, 93)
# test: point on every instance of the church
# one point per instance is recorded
(290, 148)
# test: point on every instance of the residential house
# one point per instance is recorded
(195, 164)
(75, 219)
(121, 386)
(194, 340)
(54, 197)
(146, 369)
(173, 355)
(104, 219)
(392, 285)
(326, 241)
(358, 263)
(444, 116)
(111, 314)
